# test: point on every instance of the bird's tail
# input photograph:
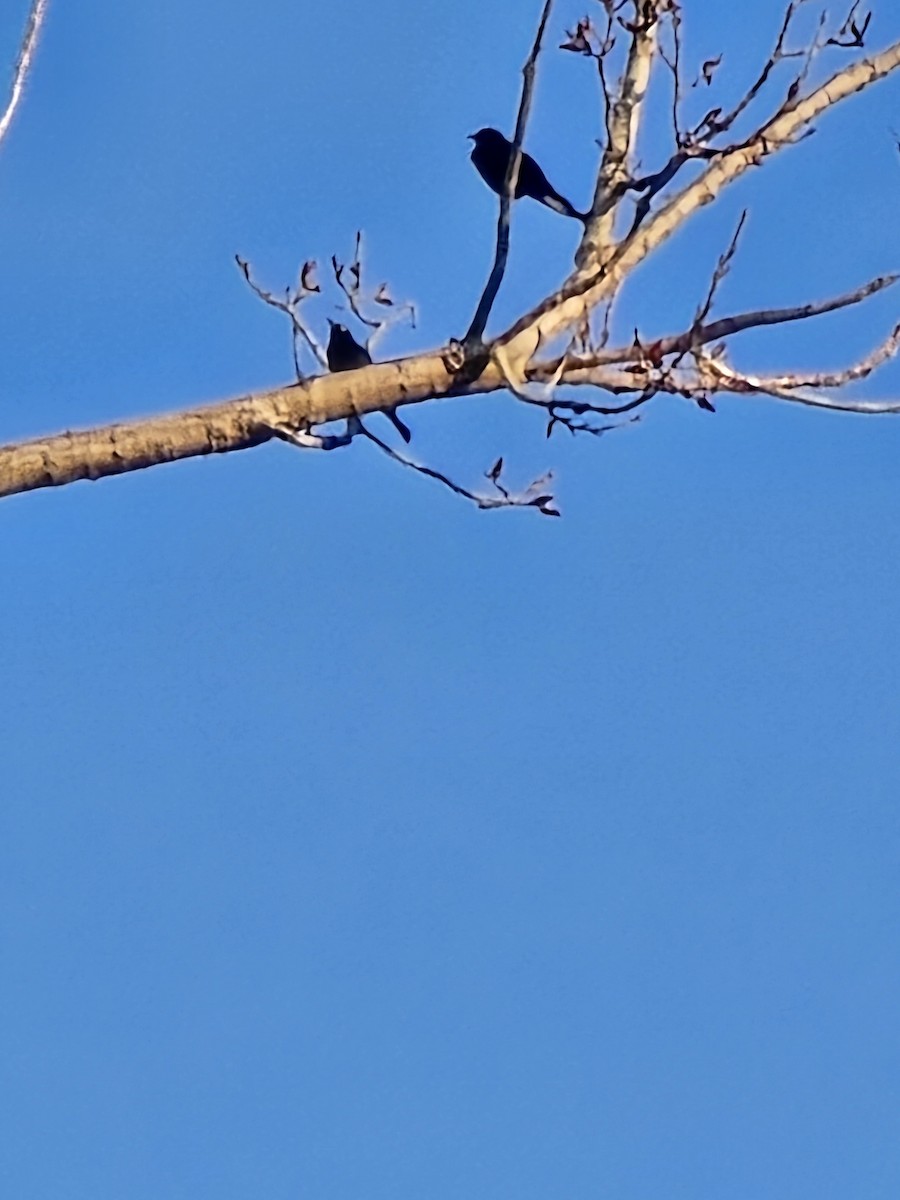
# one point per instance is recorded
(561, 205)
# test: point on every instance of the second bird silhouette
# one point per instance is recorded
(344, 353)
(490, 156)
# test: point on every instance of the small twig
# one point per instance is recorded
(30, 38)
(722, 267)
(714, 122)
(817, 44)
(352, 290)
(851, 31)
(288, 306)
(586, 40)
(354, 293)
(501, 253)
(674, 65)
(532, 497)
(556, 417)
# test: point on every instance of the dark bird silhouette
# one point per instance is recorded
(344, 353)
(491, 154)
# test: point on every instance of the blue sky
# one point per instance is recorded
(357, 843)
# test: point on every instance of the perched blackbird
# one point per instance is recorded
(344, 353)
(491, 154)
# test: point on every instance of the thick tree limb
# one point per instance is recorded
(230, 425)
(622, 128)
(218, 428)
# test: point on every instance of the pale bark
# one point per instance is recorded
(680, 364)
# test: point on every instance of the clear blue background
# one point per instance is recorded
(357, 843)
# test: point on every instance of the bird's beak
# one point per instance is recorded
(470, 137)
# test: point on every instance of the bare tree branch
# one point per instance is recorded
(501, 254)
(722, 268)
(526, 359)
(622, 128)
(596, 281)
(218, 428)
(716, 331)
(851, 33)
(586, 40)
(796, 388)
(33, 29)
(534, 496)
(715, 122)
(356, 296)
(290, 306)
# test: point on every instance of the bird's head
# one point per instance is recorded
(484, 137)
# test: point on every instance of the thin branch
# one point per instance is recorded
(714, 122)
(851, 33)
(835, 379)
(33, 28)
(355, 295)
(534, 496)
(652, 185)
(594, 379)
(501, 254)
(289, 306)
(674, 65)
(595, 282)
(716, 331)
(722, 268)
(574, 426)
(637, 373)
(695, 143)
(352, 290)
(585, 39)
(722, 377)
(726, 326)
